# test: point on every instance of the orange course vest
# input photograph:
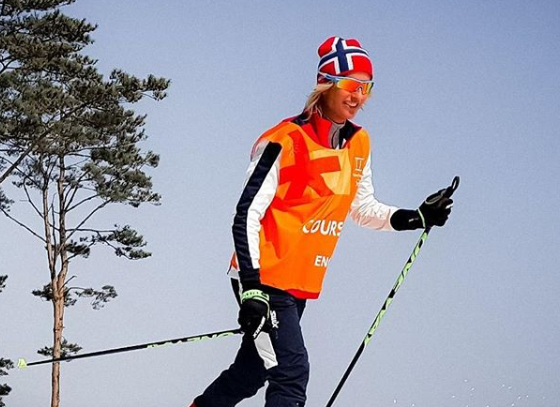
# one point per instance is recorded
(301, 227)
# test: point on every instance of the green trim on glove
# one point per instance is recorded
(255, 294)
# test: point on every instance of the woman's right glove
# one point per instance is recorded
(254, 311)
(435, 210)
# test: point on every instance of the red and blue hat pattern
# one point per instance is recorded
(342, 57)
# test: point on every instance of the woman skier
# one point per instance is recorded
(306, 175)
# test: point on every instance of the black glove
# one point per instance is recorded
(254, 311)
(435, 210)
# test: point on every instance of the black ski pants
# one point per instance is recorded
(287, 382)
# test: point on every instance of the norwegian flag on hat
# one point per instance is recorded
(342, 57)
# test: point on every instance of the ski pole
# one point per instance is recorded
(447, 192)
(22, 363)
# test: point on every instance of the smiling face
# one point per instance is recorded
(339, 105)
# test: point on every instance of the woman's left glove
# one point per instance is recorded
(254, 312)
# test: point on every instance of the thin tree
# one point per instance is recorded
(72, 147)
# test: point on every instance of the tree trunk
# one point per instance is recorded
(58, 286)
(58, 317)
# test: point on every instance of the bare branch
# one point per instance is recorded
(67, 281)
(98, 231)
(99, 207)
(73, 191)
(54, 229)
(22, 225)
(83, 201)
(51, 250)
(30, 200)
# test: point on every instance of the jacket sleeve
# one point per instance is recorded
(366, 210)
(258, 191)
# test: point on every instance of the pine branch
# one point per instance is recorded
(22, 156)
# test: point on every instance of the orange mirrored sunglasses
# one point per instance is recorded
(350, 84)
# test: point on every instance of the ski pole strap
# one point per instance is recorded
(422, 218)
(255, 294)
(453, 187)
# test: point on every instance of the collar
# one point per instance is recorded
(317, 127)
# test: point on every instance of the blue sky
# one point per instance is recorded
(462, 88)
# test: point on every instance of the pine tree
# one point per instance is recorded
(70, 147)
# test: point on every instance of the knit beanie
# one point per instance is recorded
(340, 57)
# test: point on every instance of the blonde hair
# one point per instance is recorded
(313, 100)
